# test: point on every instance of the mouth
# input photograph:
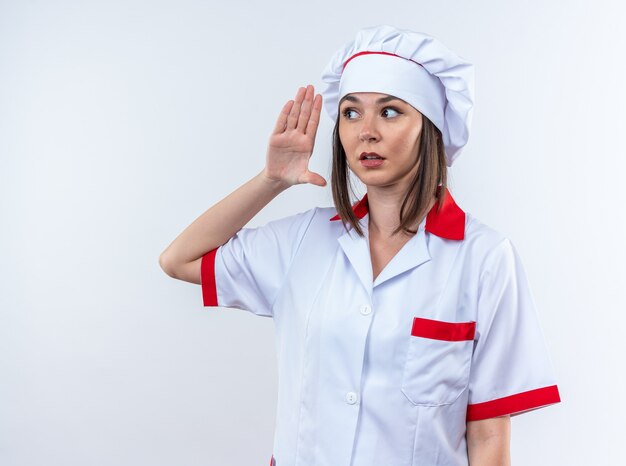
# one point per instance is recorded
(370, 156)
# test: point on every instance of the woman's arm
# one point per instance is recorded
(488, 441)
(181, 259)
(290, 148)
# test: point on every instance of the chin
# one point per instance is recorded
(377, 179)
(381, 178)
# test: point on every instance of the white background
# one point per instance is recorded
(123, 121)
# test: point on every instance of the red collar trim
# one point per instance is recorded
(448, 223)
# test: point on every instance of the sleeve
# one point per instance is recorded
(248, 270)
(511, 370)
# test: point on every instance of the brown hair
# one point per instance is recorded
(431, 173)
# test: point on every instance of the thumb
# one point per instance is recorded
(313, 178)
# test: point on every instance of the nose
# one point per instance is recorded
(368, 131)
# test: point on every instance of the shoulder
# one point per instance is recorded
(480, 234)
(483, 240)
(298, 219)
(288, 230)
(299, 224)
(490, 248)
(323, 216)
(326, 213)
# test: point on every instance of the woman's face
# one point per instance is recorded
(385, 125)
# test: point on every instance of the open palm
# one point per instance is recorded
(292, 141)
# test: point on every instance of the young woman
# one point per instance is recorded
(406, 330)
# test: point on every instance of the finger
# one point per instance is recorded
(281, 122)
(292, 119)
(305, 111)
(314, 119)
(313, 178)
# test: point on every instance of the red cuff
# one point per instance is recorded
(514, 404)
(207, 278)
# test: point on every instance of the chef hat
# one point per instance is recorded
(412, 66)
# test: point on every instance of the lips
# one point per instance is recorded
(370, 155)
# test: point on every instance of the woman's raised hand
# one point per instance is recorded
(292, 141)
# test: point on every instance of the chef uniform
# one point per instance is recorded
(388, 371)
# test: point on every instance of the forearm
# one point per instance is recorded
(221, 221)
(493, 451)
(488, 442)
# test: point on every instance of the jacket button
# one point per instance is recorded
(366, 310)
(351, 397)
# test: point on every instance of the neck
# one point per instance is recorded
(384, 211)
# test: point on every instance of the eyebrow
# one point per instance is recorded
(382, 100)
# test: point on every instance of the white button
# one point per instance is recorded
(365, 309)
(351, 397)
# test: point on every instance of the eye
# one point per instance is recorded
(392, 109)
(346, 113)
(394, 112)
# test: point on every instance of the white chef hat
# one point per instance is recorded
(412, 66)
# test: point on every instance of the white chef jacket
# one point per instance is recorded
(387, 371)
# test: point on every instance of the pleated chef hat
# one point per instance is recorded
(412, 66)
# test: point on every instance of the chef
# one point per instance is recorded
(405, 327)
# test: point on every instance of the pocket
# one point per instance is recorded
(438, 359)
